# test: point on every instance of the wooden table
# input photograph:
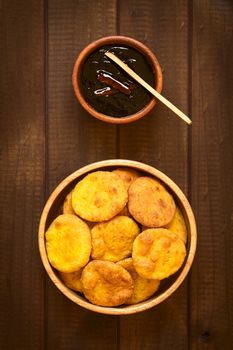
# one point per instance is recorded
(45, 135)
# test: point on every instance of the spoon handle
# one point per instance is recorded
(148, 87)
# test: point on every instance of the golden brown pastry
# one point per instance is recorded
(158, 253)
(143, 288)
(113, 240)
(150, 203)
(128, 175)
(106, 283)
(68, 243)
(72, 279)
(67, 205)
(177, 225)
(99, 196)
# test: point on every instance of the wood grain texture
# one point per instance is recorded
(160, 140)
(75, 139)
(160, 137)
(21, 174)
(192, 40)
(211, 289)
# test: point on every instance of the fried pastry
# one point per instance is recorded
(177, 225)
(113, 240)
(143, 288)
(99, 196)
(106, 283)
(158, 253)
(72, 280)
(127, 175)
(150, 203)
(68, 243)
(67, 205)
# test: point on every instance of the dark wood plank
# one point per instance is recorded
(211, 291)
(161, 137)
(75, 139)
(160, 140)
(21, 174)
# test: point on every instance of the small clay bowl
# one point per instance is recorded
(169, 285)
(112, 40)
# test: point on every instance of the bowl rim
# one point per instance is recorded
(147, 304)
(117, 39)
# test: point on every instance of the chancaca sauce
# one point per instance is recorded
(108, 89)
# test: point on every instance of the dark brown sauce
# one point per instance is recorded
(108, 89)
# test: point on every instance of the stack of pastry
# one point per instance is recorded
(120, 234)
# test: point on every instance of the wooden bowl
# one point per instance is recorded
(122, 40)
(168, 286)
